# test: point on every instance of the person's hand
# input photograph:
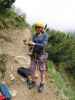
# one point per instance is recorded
(31, 43)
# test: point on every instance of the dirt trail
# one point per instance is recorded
(23, 93)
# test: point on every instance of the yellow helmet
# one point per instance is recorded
(39, 24)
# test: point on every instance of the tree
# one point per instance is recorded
(61, 48)
(4, 4)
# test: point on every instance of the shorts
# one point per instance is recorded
(39, 63)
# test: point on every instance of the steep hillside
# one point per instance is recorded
(15, 54)
(9, 19)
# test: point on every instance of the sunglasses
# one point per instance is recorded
(37, 27)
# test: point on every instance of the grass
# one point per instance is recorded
(63, 88)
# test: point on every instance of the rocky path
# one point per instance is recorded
(23, 93)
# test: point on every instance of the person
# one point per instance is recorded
(39, 56)
(26, 74)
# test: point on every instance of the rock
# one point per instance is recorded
(11, 44)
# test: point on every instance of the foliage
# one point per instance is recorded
(4, 4)
(64, 88)
(61, 48)
(10, 19)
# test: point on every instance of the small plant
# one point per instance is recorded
(3, 60)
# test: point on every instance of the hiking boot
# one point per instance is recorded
(41, 88)
(30, 84)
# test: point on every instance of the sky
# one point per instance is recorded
(58, 14)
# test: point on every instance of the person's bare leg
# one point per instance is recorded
(32, 80)
(33, 68)
(42, 81)
(42, 77)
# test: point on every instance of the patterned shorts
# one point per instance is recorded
(39, 63)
